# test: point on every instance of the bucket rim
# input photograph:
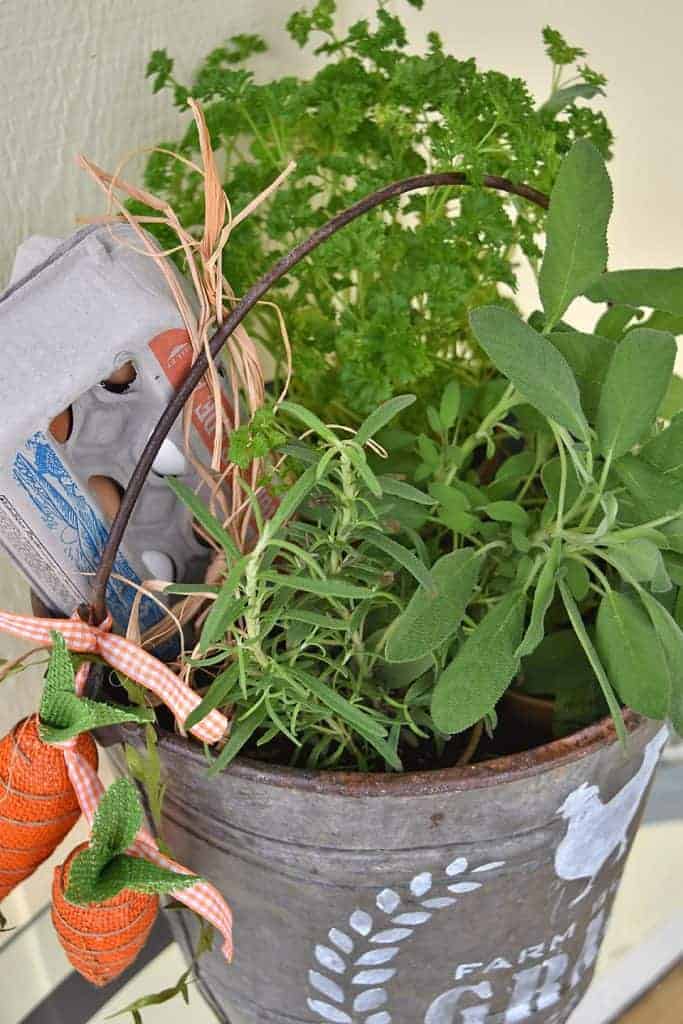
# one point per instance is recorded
(500, 770)
(508, 768)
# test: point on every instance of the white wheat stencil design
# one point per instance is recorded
(355, 965)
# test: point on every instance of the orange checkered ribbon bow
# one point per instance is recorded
(125, 657)
(146, 670)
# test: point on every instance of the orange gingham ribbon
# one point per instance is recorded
(125, 657)
(202, 897)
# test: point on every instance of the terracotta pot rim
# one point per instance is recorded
(508, 768)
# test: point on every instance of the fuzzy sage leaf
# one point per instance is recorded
(533, 364)
(576, 230)
(639, 558)
(630, 648)
(671, 639)
(654, 494)
(543, 596)
(589, 356)
(434, 613)
(562, 98)
(473, 683)
(658, 289)
(665, 451)
(635, 384)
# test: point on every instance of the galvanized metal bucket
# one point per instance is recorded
(464, 896)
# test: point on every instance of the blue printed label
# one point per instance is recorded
(80, 531)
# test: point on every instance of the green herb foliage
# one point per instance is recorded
(528, 532)
(383, 307)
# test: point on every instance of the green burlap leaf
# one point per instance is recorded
(63, 715)
(105, 869)
(117, 821)
(123, 872)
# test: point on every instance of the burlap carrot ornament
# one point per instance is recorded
(38, 803)
(65, 712)
(105, 900)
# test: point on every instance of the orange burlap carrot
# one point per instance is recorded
(38, 804)
(101, 939)
(48, 777)
(105, 896)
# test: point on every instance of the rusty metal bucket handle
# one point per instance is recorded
(96, 611)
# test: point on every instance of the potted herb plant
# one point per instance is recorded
(395, 841)
(395, 844)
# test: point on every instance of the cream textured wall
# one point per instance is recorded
(71, 78)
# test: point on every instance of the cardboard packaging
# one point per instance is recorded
(76, 313)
